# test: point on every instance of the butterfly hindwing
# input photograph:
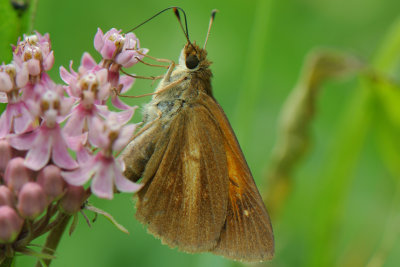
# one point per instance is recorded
(247, 233)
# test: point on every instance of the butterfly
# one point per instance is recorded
(198, 192)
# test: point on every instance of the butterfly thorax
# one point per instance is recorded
(195, 77)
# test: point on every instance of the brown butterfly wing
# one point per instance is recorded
(185, 195)
(247, 234)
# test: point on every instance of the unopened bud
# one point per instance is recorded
(31, 200)
(5, 154)
(51, 181)
(6, 196)
(10, 224)
(73, 199)
(16, 174)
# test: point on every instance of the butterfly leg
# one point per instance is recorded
(170, 68)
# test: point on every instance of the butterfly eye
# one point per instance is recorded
(192, 61)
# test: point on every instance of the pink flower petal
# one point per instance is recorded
(126, 58)
(83, 155)
(98, 40)
(66, 76)
(126, 82)
(125, 116)
(131, 41)
(117, 102)
(108, 49)
(60, 155)
(79, 176)
(124, 137)
(101, 76)
(102, 183)
(102, 110)
(74, 125)
(48, 61)
(88, 62)
(95, 129)
(22, 77)
(5, 123)
(76, 142)
(5, 82)
(123, 184)
(34, 67)
(24, 141)
(39, 155)
(22, 117)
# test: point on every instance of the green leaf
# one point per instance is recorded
(33, 253)
(14, 23)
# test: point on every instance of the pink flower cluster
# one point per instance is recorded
(44, 122)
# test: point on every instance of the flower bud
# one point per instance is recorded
(5, 154)
(16, 174)
(73, 199)
(51, 181)
(31, 200)
(6, 196)
(10, 224)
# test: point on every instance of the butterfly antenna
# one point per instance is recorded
(176, 11)
(213, 12)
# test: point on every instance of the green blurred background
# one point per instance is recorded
(344, 206)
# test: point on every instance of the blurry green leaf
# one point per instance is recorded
(388, 102)
(389, 146)
(15, 21)
(346, 150)
(388, 126)
(33, 253)
(337, 172)
(297, 117)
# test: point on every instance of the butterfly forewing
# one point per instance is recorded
(184, 201)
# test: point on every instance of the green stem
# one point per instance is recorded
(32, 16)
(54, 238)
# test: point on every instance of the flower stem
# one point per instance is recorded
(54, 238)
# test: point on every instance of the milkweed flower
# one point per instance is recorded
(47, 141)
(35, 52)
(90, 86)
(118, 50)
(90, 80)
(104, 170)
(16, 118)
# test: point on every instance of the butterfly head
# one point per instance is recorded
(193, 57)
